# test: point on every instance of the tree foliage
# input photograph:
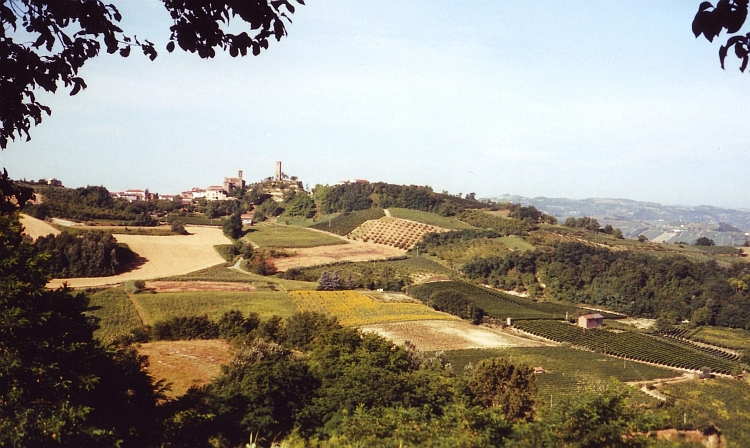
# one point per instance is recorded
(729, 15)
(495, 382)
(44, 44)
(92, 254)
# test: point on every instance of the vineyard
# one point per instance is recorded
(629, 345)
(393, 232)
(344, 224)
(567, 370)
(428, 218)
(498, 304)
(716, 402)
(115, 313)
(354, 309)
(547, 238)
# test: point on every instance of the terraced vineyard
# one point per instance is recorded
(344, 224)
(567, 370)
(393, 232)
(500, 305)
(630, 345)
(354, 309)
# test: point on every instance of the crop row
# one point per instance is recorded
(630, 345)
(394, 232)
(713, 351)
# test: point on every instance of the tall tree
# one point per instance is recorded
(44, 44)
(58, 386)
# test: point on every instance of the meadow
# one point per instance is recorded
(432, 219)
(166, 305)
(115, 312)
(567, 370)
(353, 309)
(281, 235)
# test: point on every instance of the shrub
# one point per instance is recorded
(134, 286)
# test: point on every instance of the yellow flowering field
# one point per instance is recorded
(354, 309)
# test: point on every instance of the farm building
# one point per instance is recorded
(590, 320)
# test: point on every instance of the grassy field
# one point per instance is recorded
(568, 370)
(164, 306)
(115, 313)
(720, 402)
(224, 273)
(296, 221)
(429, 218)
(735, 338)
(343, 224)
(353, 309)
(281, 235)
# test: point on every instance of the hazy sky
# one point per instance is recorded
(570, 99)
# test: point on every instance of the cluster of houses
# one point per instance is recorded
(212, 193)
(275, 187)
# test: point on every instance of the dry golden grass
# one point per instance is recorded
(186, 363)
(433, 335)
(36, 227)
(165, 256)
(354, 309)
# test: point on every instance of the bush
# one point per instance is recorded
(178, 228)
(134, 286)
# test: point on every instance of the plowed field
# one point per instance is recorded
(432, 335)
(354, 251)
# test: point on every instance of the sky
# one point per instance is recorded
(575, 99)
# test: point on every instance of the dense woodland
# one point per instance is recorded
(91, 254)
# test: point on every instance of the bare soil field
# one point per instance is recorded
(199, 286)
(354, 251)
(186, 363)
(432, 335)
(36, 227)
(163, 256)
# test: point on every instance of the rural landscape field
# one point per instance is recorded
(452, 293)
(227, 235)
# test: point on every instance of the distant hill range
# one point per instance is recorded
(659, 223)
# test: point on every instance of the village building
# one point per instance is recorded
(590, 321)
(230, 183)
(216, 193)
